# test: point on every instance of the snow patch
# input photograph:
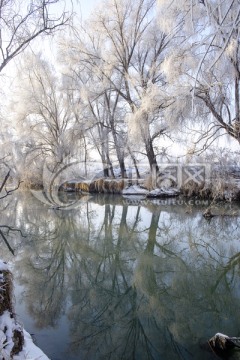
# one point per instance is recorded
(135, 190)
(3, 266)
(13, 338)
(30, 350)
(161, 193)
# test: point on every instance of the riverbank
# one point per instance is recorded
(202, 180)
(222, 185)
(15, 342)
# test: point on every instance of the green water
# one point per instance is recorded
(113, 278)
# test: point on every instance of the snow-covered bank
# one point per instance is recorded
(134, 190)
(15, 342)
(209, 181)
(163, 193)
(30, 350)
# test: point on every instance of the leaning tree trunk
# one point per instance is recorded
(119, 153)
(148, 142)
(151, 156)
(119, 147)
(134, 162)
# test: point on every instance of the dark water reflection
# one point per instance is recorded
(115, 280)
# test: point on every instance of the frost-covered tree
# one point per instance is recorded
(205, 63)
(42, 112)
(134, 49)
(90, 111)
(100, 112)
(22, 22)
(124, 49)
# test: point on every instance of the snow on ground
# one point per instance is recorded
(135, 190)
(9, 325)
(163, 193)
(160, 192)
(30, 350)
(3, 266)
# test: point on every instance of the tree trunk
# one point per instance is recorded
(122, 168)
(110, 167)
(119, 149)
(134, 163)
(151, 156)
(105, 171)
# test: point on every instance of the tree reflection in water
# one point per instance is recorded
(136, 282)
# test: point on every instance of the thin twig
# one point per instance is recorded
(6, 242)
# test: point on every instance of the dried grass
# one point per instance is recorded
(148, 183)
(219, 189)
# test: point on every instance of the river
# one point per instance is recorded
(117, 278)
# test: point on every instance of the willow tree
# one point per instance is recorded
(125, 49)
(42, 114)
(101, 110)
(21, 23)
(206, 61)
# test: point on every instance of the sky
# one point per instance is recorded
(83, 7)
(87, 6)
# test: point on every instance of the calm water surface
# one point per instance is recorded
(120, 279)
